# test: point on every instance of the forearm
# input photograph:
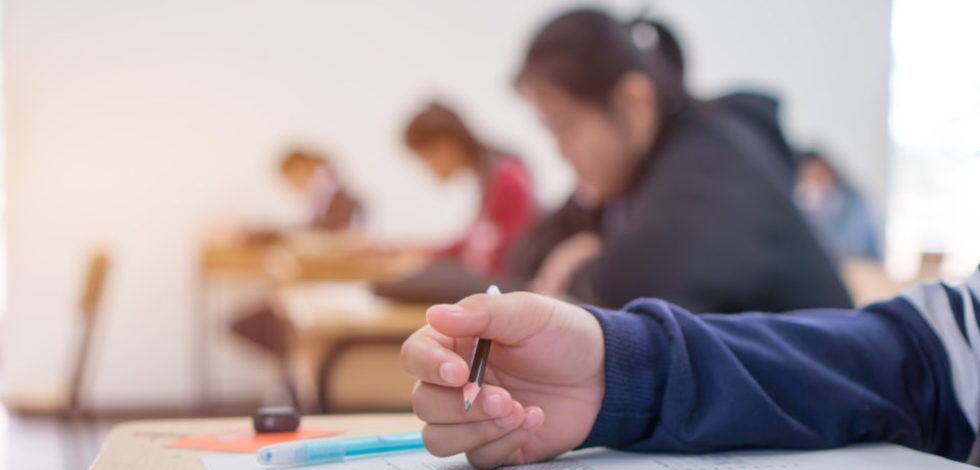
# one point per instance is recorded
(810, 379)
(528, 253)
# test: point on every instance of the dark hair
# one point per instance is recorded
(435, 122)
(586, 52)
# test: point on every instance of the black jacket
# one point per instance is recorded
(710, 223)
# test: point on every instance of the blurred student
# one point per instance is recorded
(330, 205)
(836, 210)
(447, 147)
(655, 378)
(677, 198)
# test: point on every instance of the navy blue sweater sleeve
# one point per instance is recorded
(808, 379)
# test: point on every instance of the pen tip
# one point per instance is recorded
(493, 290)
(467, 405)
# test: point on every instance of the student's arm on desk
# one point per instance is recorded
(657, 378)
(809, 379)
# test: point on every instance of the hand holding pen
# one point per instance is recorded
(545, 362)
(478, 365)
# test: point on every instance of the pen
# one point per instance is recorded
(478, 364)
(336, 449)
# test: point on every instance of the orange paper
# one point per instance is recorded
(246, 441)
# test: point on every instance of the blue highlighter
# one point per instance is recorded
(336, 449)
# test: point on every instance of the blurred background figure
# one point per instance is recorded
(327, 204)
(330, 204)
(329, 207)
(447, 147)
(691, 200)
(836, 209)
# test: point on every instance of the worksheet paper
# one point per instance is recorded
(865, 456)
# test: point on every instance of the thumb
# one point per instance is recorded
(506, 318)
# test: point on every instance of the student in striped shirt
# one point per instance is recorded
(654, 377)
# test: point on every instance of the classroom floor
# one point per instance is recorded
(36, 442)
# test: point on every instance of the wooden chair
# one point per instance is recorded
(64, 399)
(93, 288)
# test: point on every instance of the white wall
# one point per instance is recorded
(137, 123)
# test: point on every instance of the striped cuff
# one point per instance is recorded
(951, 312)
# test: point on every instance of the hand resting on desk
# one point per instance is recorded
(544, 385)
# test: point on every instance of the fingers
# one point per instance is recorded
(442, 405)
(507, 449)
(507, 318)
(425, 356)
(443, 440)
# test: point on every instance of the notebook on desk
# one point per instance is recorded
(863, 456)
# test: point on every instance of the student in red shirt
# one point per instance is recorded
(438, 136)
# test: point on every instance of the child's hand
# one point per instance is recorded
(543, 387)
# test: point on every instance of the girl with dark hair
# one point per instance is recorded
(679, 198)
(439, 137)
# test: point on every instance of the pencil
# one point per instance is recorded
(478, 365)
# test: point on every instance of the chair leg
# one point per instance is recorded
(324, 371)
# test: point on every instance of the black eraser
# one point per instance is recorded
(270, 419)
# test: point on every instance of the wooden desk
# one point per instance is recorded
(142, 444)
(230, 260)
(367, 266)
(316, 255)
(332, 320)
(286, 259)
(869, 282)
